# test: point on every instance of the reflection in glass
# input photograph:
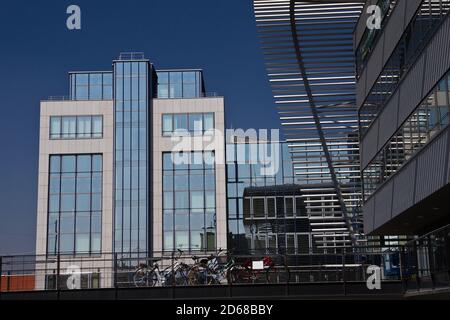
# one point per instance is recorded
(190, 229)
(72, 203)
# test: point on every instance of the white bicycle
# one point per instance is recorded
(176, 274)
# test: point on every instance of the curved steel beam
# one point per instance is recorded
(310, 96)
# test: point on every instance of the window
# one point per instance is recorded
(415, 38)
(84, 127)
(194, 123)
(167, 124)
(189, 85)
(97, 126)
(289, 206)
(163, 85)
(74, 209)
(258, 208)
(208, 122)
(69, 126)
(81, 87)
(95, 89)
(107, 86)
(188, 189)
(271, 208)
(76, 127)
(369, 38)
(180, 122)
(55, 127)
(91, 86)
(428, 119)
(176, 89)
(179, 84)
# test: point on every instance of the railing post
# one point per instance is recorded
(343, 273)
(287, 274)
(58, 273)
(447, 257)
(1, 276)
(230, 285)
(8, 281)
(402, 263)
(173, 276)
(416, 253)
(431, 259)
(115, 275)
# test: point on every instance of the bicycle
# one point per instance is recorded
(218, 267)
(208, 270)
(198, 273)
(244, 272)
(176, 274)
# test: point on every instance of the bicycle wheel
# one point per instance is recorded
(140, 278)
(272, 275)
(181, 276)
(152, 279)
(193, 276)
(212, 277)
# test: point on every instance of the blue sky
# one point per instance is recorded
(37, 51)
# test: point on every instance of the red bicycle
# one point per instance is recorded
(245, 273)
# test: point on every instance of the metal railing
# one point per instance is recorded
(134, 270)
(426, 261)
(58, 98)
(131, 56)
(68, 98)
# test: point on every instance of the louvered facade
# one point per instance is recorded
(310, 61)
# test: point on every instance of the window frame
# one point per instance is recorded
(190, 131)
(91, 134)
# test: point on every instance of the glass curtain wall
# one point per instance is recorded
(91, 86)
(75, 204)
(189, 201)
(132, 99)
(180, 84)
(242, 174)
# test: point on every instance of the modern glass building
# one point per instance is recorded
(113, 177)
(242, 175)
(279, 212)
